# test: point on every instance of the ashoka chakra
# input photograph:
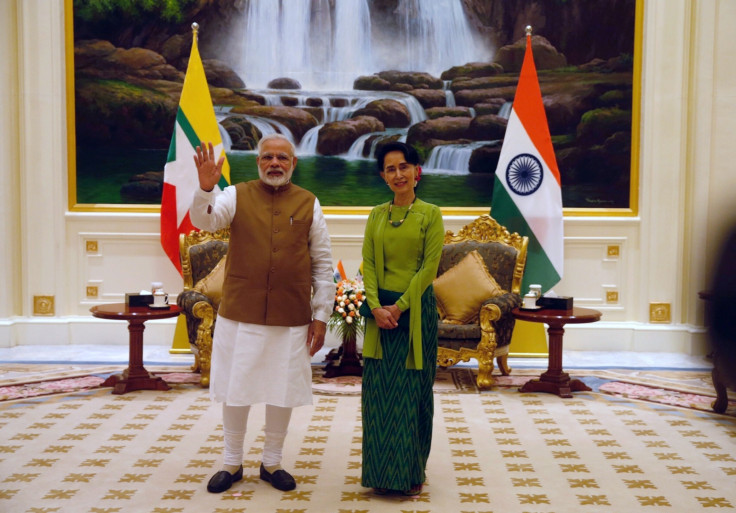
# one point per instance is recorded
(524, 174)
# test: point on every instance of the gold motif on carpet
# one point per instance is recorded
(498, 451)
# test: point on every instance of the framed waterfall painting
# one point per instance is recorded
(340, 79)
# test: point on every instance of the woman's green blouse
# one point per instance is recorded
(401, 259)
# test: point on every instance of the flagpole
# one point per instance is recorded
(180, 344)
(528, 339)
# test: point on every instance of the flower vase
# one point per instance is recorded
(348, 359)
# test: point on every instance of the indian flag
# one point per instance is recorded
(527, 197)
(195, 124)
(339, 274)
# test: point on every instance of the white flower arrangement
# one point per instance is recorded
(346, 319)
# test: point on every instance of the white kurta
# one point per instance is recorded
(265, 364)
(254, 364)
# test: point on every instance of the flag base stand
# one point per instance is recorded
(529, 340)
(181, 338)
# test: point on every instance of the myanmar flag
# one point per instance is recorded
(527, 197)
(195, 124)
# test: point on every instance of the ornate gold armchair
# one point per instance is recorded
(504, 254)
(200, 252)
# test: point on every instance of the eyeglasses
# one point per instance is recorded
(281, 157)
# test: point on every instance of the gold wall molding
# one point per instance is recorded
(660, 313)
(91, 246)
(43, 305)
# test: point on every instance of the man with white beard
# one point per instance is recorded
(277, 297)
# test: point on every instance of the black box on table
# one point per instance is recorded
(138, 299)
(555, 303)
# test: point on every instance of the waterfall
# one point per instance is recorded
(227, 142)
(352, 49)
(436, 36)
(505, 110)
(221, 112)
(449, 95)
(356, 150)
(337, 113)
(356, 100)
(307, 40)
(308, 144)
(326, 44)
(269, 126)
(451, 159)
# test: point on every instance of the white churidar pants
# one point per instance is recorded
(234, 422)
(254, 364)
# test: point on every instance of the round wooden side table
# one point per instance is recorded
(135, 377)
(555, 381)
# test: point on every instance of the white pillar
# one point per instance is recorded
(43, 153)
(10, 248)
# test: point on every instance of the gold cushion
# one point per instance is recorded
(211, 285)
(463, 288)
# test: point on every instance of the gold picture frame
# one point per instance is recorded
(630, 211)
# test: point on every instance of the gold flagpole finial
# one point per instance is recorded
(195, 29)
(528, 29)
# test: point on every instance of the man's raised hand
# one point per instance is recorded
(208, 170)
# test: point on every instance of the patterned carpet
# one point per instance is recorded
(500, 451)
(686, 389)
(682, 388)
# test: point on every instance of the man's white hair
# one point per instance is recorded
(276, 136)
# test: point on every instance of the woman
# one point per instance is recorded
(401, 253)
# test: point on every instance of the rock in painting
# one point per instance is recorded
(284, 83)
(337, 137)
(391, 113)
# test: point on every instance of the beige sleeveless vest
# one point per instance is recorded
(268, 273)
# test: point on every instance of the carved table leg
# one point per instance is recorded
(348, 363)
(555, 381)
(135, 377)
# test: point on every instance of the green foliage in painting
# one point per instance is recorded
(137, 11)
(598, 124)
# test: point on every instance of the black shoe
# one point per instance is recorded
(223, 480)
(281, 479)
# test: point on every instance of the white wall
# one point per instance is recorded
(9, 181)
(688, 112)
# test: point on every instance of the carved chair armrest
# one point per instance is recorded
(187, 299)
(495, 317)
(499, 306)
(199, 312)
(204, 311)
